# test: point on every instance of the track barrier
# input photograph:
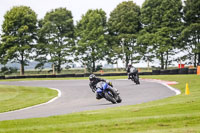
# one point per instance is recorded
(102, 73)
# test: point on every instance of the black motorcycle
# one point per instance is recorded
(135, 78)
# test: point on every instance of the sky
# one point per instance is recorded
(77, 7)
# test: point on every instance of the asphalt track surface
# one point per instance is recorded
(76, 96)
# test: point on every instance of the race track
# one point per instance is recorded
(76, 96)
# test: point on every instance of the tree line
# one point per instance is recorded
(158, 30)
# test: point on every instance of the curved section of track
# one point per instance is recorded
(77, 96)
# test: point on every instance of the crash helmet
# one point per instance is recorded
(92, 77)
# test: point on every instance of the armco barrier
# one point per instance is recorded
(106, 74)
(86, 74)
(192, 71)
(79, 75)
(36, 76)
(119, 74)
(145, 73)
(50, 76)
(174, 71)
(113, 74)
(15, 77)
(164, 72)
(41, 76)
(2, 77)
(183, 71)
(155, 72)
(65, 75)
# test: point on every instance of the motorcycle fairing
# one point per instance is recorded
(99, 90)
(105, 85)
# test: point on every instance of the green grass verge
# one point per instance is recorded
(17, 97)
(178, 114)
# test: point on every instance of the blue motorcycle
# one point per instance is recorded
(106, 91)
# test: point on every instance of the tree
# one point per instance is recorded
(91, 42)
(19, 32)
(162, 23)
(191, 33)
(1, 51)
(124, 26)
(56, 38)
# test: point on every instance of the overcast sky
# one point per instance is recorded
(77, 7)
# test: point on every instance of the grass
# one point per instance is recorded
(17, 97)
(178, 114)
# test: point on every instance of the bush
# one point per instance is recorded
(99, 67)
(8, 70)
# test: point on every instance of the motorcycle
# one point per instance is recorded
(106, 91)
(135, 78)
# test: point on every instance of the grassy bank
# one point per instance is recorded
(17, 97)
(178, 114)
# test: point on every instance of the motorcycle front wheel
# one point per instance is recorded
(119, 100)
(110, 97)
(137, 80)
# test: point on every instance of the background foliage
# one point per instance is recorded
(159, 30)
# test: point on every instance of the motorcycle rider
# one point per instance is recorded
(131, 70)
(93, 84)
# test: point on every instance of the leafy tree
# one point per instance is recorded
(191, 33)
(19, 32)
(1, 51)
(56, 38)
(91, 42)
(162, 26)
(144, 39)
(124, 26)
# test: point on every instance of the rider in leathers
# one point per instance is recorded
(93, 83)
(131, 70)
